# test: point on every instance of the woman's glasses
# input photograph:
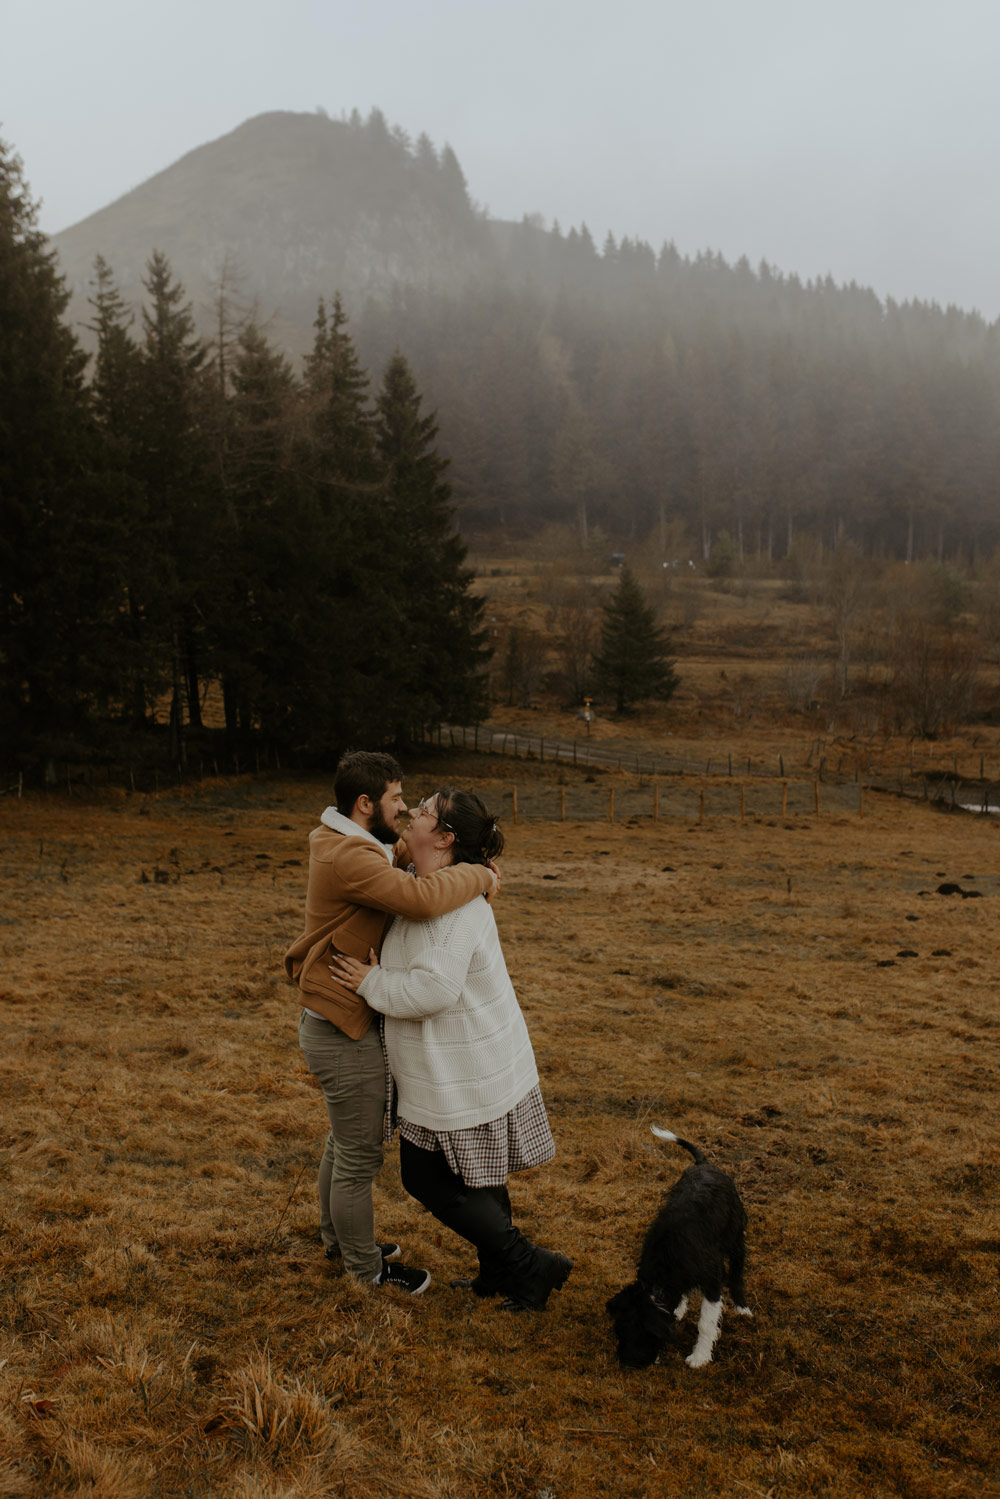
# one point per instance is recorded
(423, 809)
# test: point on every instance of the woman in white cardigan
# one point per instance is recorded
(470, 1110)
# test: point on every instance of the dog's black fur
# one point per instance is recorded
(700, 1227)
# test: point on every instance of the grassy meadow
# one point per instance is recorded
(792, 994)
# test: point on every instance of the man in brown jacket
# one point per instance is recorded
(355, 888)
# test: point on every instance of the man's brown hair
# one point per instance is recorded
(363, 773)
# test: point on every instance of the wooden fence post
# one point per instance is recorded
(562, 803)
(701, 805)
(816, 797)
(514, 791)
(784, 798)
(743, 802)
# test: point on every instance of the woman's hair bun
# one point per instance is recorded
(478, 836)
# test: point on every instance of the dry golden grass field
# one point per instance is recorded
(792, 993)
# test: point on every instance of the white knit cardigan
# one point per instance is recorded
(457, 1043)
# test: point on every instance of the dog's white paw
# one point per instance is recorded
(680, 1308)
(742, 1311)
(698, 1360)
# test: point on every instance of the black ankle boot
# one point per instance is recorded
(530, 1289)
(492, 1278)
(480, 1285)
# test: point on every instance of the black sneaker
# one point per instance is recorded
(404, 1278)
(389, 1251)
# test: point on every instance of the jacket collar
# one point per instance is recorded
(338, 823)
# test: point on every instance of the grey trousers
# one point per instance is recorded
(352, 1076)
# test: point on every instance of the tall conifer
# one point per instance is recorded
(632, 663)
(51, 586)
(441, 640)
(264, 581)
(346, 672)
(174, 469)
(136, 539)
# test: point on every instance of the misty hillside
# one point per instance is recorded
(305, 204)
(710, 405)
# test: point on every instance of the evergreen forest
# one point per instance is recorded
(594, 381)
(190, 516)
(207, 498)
(652, 393)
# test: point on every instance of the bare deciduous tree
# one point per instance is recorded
(847, 595)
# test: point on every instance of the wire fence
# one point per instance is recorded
(818, 759)
(821, 779)
(652, 801)
(719, 786)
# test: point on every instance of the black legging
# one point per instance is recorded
(481, 1215)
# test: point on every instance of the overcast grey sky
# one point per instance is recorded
(859, 138)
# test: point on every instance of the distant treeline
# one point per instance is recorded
(636, 389)
(640, 391)
(189, 514)
(600, 382)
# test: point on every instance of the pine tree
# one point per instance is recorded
(441, 641)
(426, 156)
(454, 188)
(51, 580)
(339, 422)
(261, 585)
(136, 539)
(632, 662)
(174, 468)
(346, 676)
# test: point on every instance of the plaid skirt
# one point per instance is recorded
(485, 1154)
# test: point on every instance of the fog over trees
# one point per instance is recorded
(589, 378)
(221, 497)
(647, 388)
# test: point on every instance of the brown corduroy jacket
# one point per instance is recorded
(352, 896)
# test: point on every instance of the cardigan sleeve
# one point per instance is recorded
(365, 878)
(435, 972)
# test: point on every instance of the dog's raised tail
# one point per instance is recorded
(672, 1139)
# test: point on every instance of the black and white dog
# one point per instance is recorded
(700, 1226)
